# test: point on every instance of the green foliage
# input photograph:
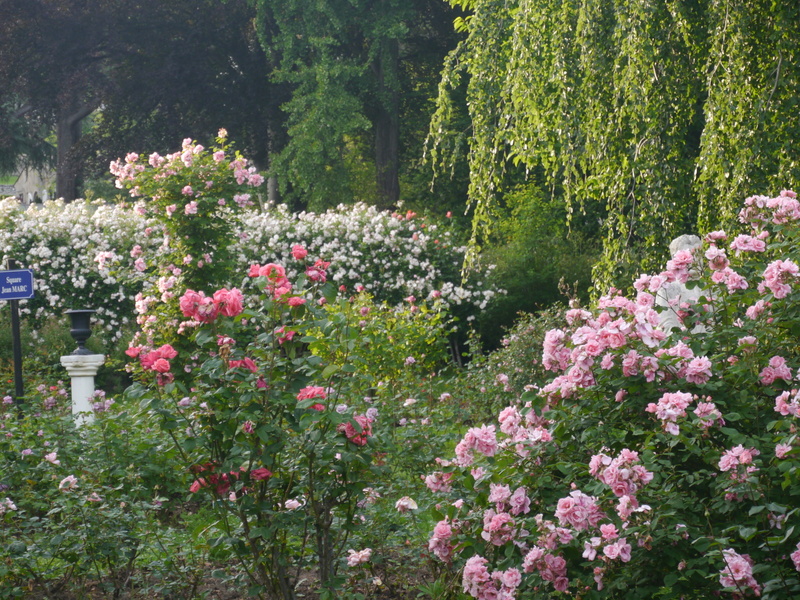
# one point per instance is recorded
(353, 71)
(491, 381)
(536, 256)
(324, 120)
(663, 114)
(61, 533)
(25, 143)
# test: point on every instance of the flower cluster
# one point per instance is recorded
(155, 360)
(737, 457)
(313, 392)
(221, 482)
(358, 557)
(178, 166)
(6, 505)
(624, 475)
(201, 309)
(358, 431)
(669, 407)
(579, 511)
(738, 572)
(439, 543)
(479, 583)
(278, 283)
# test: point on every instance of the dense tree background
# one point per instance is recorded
(332, 97)
(149, 73)
(362, 73)
(658, 117)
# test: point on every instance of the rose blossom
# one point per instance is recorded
(68, 483)
(738, 572)
(356, 558)
(795, 556)
(405, 504)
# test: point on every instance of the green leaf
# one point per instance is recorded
(747, 533)
(702, 544)
(204, 336)
(329, 371)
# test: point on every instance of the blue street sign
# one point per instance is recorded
(16, 285)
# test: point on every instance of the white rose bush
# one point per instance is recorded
(390, 255)
(100, 255)
(71, 249)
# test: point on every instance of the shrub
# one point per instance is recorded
(391, 255)
(67, 246)
(77, 506)
(279, 425)
(658, 463)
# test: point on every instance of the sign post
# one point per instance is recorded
(15, 285)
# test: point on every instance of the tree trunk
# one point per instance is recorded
(68, 132)
(387, 125)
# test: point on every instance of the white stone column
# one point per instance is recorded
(82, 368)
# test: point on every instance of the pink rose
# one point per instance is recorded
(246, 363)
(161, 365)
(189, 302)
(781, 450)
(167, 351)
(207, 310)
(229, 302)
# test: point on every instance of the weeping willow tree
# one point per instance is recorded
(665, 113)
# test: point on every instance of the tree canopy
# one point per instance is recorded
(354, 67)
(313, 91)
(658, 116)
(156, 71)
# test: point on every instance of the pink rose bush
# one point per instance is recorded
(656, 461)
(262, 385)
(255, 422)
(190, 193)
(260, 431)
(274, 408)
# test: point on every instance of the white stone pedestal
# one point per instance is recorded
(82, 368)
